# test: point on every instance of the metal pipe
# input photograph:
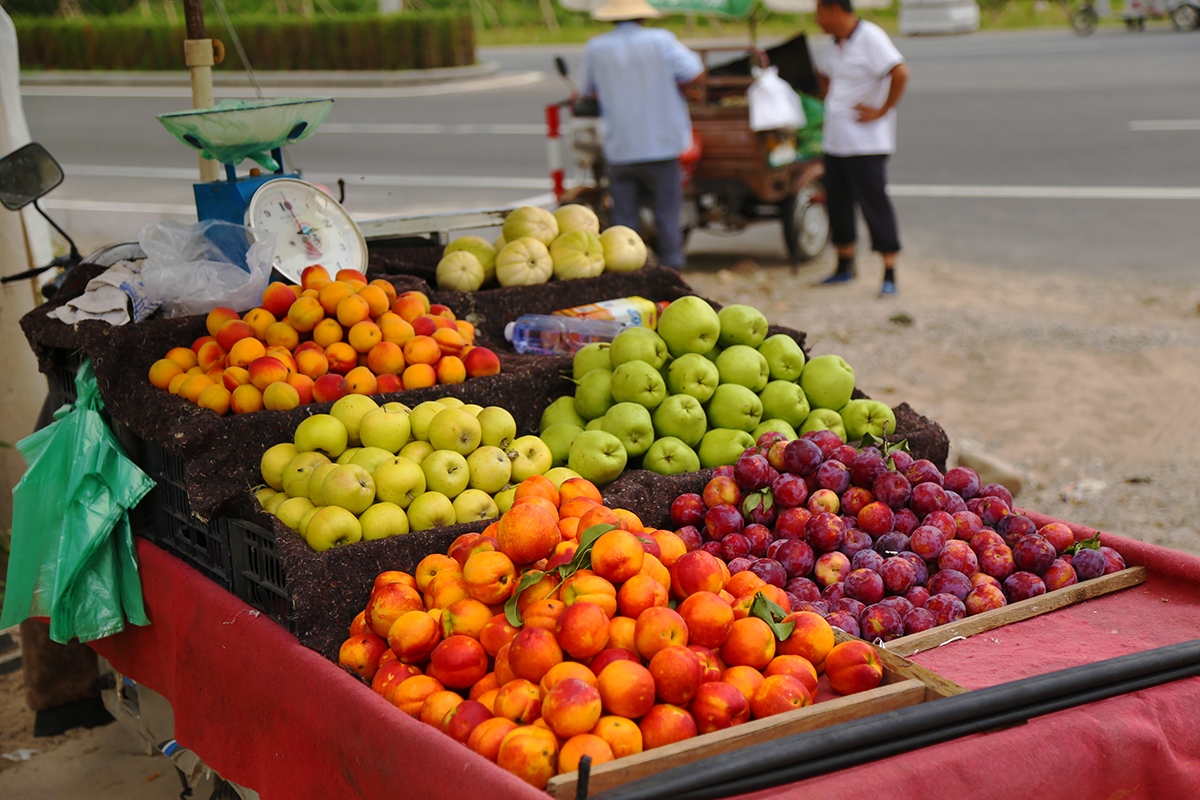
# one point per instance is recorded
(933, 716)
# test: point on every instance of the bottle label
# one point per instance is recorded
(631, 310)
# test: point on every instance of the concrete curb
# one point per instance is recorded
(266, 79)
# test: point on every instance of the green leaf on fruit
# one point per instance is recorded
(1086, 544)
(510, 606)
(772, 614)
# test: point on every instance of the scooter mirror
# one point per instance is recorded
(26, 174)
(560, 64)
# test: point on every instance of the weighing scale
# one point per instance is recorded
(311, 226)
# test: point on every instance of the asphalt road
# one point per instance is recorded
(1023, 150)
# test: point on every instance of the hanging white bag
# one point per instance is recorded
(774, 104)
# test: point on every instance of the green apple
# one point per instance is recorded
(332, 526)
(490, 469)
(455, 429)
(867, 416)
(274, 462)
(713, 354)
(638, 344)
(317, 480)
(593, 394)
(529, 456)
(745, 366)
(682, 417)
(774, 424)
(596, 424)
(558, 438)
(827, 381)
(741, 324)
(347, 454)
(689, 325)
(382, 520)
(631, 424)
(693, 374)
(299, 470)
(823, 419)
(349, 486)
(561, 410)
(734, 406)
(421, 416)
(475, 408)
(473, 505)
(371, 457)
(266, 493)
(784, 357)
(273, 503)
(670, 456)
(591, 356)
(784, 400)
(638, 382)
(504, 498)
(496, 426)
(385, 428)
(416, 451)
(396, 405)
(559, 474)
(431, 510)
(292, 510)
(350, 409)
(399, 481)
(450, 401)
(446, 471)
(322, 433)
(722, 446)
(598, 456)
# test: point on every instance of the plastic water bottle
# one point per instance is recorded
(557, 335)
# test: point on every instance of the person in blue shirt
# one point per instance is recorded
(636, 74)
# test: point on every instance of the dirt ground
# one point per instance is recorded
(1088, 389)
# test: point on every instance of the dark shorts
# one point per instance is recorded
(860, 181)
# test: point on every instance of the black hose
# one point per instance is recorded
(989, 704)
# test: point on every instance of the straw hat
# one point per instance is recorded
(617, 10)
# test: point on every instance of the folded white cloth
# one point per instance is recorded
(115, 296)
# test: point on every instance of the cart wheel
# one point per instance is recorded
(805, 223)
(1083, 19)
(1185, 17)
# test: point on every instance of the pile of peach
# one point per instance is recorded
(645, 645)
(320, 340)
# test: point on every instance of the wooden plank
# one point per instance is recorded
(1035, 606)
(888, 697)
(897, 668)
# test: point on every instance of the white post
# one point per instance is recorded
(24, 243)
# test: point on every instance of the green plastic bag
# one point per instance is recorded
(72, 557)
(810, 140)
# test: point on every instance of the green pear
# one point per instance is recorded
(773, 424)
(827, 381)
(637, 382)
(689, 325)
(561, 410)
(638, 344)
(734, 406)
(670, 456)
(784, 400)
(693, 374)
(631, 423)
(741, 324)
(867, 416)
(784, 357)
(591, 356)
(593, 394)
(721, 446)
(598, 456)
(682, 417)
(745, 366)
(558, 438)
(823, 419)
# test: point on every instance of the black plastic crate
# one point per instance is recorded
(165, 518)
(259, 579)
(60, 380)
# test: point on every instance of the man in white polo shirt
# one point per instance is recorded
(636, 74)
(862, 77)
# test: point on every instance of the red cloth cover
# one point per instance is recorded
(267, 713)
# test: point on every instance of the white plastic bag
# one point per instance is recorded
(191, 268)
(773, 103)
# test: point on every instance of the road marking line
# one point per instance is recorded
(418, 128)
(1165, 125)
(220, 92)
(1045, 192)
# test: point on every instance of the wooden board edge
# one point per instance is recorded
(1025, 609)
(888, 697)
(935, 685)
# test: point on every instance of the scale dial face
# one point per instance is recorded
(311, 228)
